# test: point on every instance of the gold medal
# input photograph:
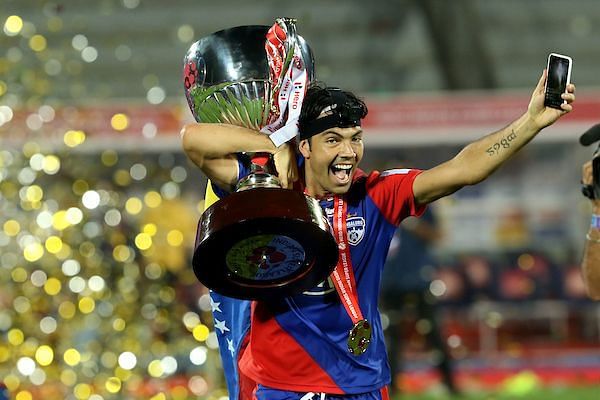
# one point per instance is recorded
(359, 337)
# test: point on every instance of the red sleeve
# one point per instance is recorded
(392, 193)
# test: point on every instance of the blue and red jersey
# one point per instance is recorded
(299, 343)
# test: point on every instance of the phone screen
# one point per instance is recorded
(558, 78)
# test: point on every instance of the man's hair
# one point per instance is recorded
(347, 108)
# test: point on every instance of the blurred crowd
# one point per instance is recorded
(522, 276)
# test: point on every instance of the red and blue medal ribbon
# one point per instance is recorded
(359, 336)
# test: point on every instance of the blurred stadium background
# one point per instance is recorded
(98, 205)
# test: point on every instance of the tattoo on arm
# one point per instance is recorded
(503, 143)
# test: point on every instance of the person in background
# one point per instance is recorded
(590, 265)
(407, 276)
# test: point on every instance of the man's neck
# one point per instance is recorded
(317, 193)
(315, 190)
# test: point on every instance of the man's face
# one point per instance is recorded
(331, 160)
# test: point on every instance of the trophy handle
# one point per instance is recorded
(261, 173)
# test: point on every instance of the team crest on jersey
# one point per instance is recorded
(356, 229)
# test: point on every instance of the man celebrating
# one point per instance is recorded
(329, 340)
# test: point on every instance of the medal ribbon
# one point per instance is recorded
(343, 274)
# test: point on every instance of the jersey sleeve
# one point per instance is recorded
(392, 193)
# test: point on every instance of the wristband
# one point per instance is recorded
(595, 223)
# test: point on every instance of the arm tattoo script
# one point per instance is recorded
(503, 143)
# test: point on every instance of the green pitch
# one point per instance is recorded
(559, 393)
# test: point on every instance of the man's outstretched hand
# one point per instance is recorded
(543, 116)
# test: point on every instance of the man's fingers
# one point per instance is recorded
(540, 85)
(566, 107)
(569, 97)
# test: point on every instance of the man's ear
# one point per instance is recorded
(304, 148)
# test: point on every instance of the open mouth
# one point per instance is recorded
(342, 172)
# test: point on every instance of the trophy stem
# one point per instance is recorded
(260, 175)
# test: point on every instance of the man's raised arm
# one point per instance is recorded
(481, 158)
(213, 148)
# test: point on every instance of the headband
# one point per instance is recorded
(341, 114)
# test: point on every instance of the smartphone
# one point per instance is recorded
(559, 76)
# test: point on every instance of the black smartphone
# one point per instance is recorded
(559, 76)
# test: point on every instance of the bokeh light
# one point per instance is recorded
(25, 366)
(79, 42)
(13, 25)
(198, 355)
(90, 199)
(72, 357)
(12, 227)
(44, 355)
(175, 238)
(74, 138)
(127, 360)
(89, 54)
(156, 95)
(15, 337)
(201, 332)
(155, 369)
(51, 164)
(133, 205)
(185, 33)
(113, 384)
(33, 252)
(48, 325)
(37, 43)
(53, 286)
(152, 199)
(119, 122)
(143, 241)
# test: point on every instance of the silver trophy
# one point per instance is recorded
(261, 241)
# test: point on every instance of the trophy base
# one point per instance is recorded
(264, 243)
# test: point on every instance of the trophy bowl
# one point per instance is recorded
(227, 77)
(261, 241)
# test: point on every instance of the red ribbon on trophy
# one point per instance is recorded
(288, 72)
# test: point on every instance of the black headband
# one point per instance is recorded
(343, 115)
